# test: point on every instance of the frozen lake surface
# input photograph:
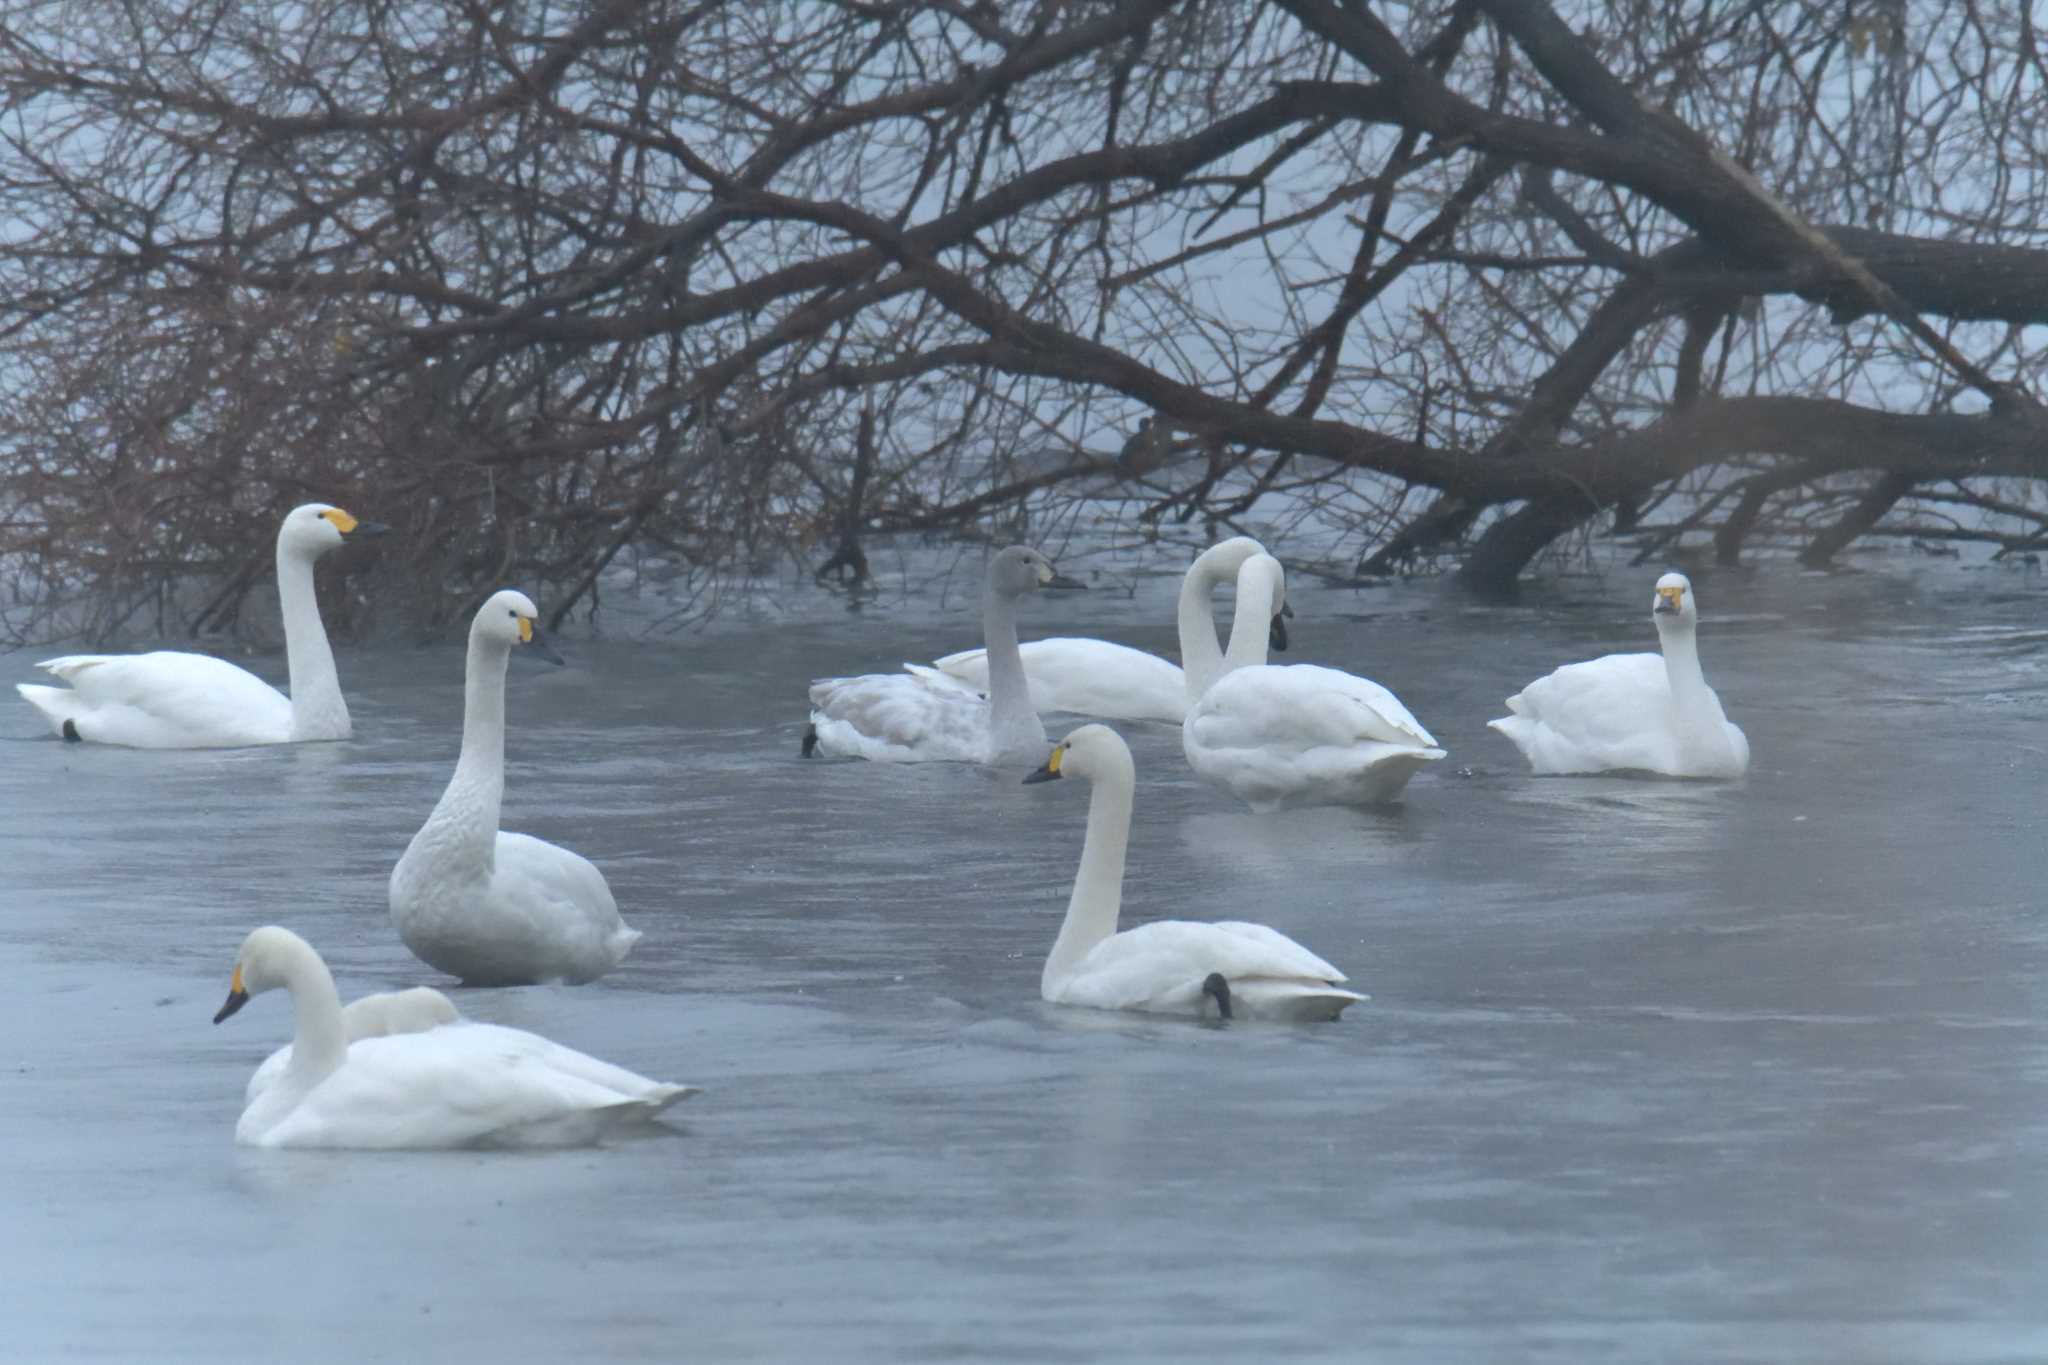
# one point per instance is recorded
(1651, 1071)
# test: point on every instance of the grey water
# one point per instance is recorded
(1652, 1070)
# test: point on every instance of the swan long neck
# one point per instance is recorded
(465, 822)
(1251, 624)
(1682, 665)
(1098, 895)
(1201, 653)
(1013, 721)
(319, 1038)
(318, 711)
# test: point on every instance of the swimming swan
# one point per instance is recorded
(1299, 735)
(455, 1084)
(1228, 968)
(491, 907)
(921, 715)
(1632, 712)
(1097, 678)
(169, 699)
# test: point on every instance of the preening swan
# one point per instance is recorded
(448, 1084)
(1228, 968)
(1300, 734)
(168, 699)
(1632, 712)
(1088, 677)
(921, 715)
(493, 908)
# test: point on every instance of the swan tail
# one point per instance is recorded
(665, 1095)
(59, 705)
(1292, 1001)
(621, 942)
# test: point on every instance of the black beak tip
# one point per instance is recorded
(1276, 636)
(235, 1001)
(1063, 583)
(368, 528)
(1042, 775)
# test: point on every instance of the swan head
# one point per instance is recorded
(311, 530)
(1674, 603)
(509, 618)
(1021, 569)
(1262, 584)
(263, 964)
(1093, 752)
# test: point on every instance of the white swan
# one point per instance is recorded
(1228, 968)
(490, 907)
(921, 715)
(1087, 677)
(456, 1084)
(1632, 712)
(1300, 734)
(168, 699)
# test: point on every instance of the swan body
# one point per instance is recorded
(453, 1084)
(922, 715)
(1300, 734)
(483, 904)
(169, 699)
(371, 1016)
(1632, 712)
(1089, 677)
(1231, 968)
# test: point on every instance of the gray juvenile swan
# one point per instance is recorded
(921, 715)
(482, 904)
(1089, 677)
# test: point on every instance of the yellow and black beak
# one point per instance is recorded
(1051, 771)
(1669, 601)
(237, 997)
(529, 634)
(350, 528)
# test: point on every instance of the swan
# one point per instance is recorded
(487, 906)
(1302, 734)
(921, 715)
(1632, 712)
(169, 699)
(1229, 968)
(454, 1084)
(1097, 678)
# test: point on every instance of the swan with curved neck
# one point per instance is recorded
(1229, 969)
(1097, 678)
(1632, 712)
(438, 1083)
(921, 714)
(488, 906)
(1299, 734)
(169, 699)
